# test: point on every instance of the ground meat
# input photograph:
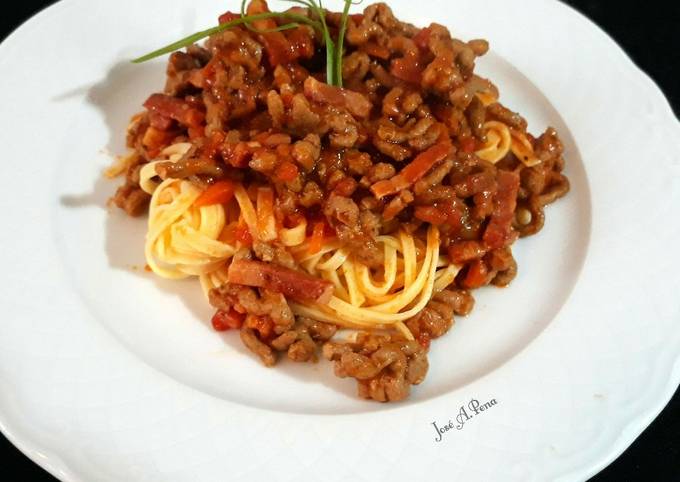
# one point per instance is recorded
(379, 172)
(132, 199)
(437, 317)
(343, 209)
(399, 104)
(302, 120)
(274, 253)
(501, 113)
(307, 151)
(182, 71)
(385, 367)
(301, 343)
(342, 129)
(254, 344)
(248, 300)
(476, 115)
(435, 177)
(358, 162)
(461, 301)
(312, 195)
(355, 67)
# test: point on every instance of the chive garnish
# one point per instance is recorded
(334, 51)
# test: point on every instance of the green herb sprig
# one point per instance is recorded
(334, 51)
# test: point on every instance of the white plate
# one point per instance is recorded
(107, 373)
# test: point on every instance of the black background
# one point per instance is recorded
(648, 31)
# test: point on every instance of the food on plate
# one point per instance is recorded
(338, 183)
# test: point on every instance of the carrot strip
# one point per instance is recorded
(316, 241)
(219, 193)
(415, 170)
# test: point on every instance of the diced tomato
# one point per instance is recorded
(237, 154)
(228, 17)
(468, 144)
(430, 214)
(301, 43)
(422, 38)
(262, 324)
(226, 320)
(175, 108)
(356, 102)
(316, 241)
(357, 18)
(196, 132)
(209, 71)
(346, 186)
(477, 275)
(276, 45)
(464, 251)
(286, 172)
(219, 193)
(375, 50)
(243, 235)
(407, 68)
(159, 121)
(499, 230)
(155, 140)
(278, 49)
(213, 144)
(424, 340)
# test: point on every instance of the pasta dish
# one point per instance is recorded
(338, 184)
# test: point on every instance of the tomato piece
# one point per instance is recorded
(155, 140)
(263, 324)
(422, 38)
(375, 50)
(477, 275)
(424, 340)
(286, 172)
(468, 145)
(316, 241)
(464, 251)
(357, 18)
(196, 132)
(228, 17)
(301, 43)
(278, 49)
(160, 121)
(407, 68)
(226, 320)
(213, 144)
(243, 235)
(430, 214)
(174, 108)
(219, 193)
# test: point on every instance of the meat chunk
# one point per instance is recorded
(385, 366)
(499, 231)
(343, 209)
(357, 104)
(174, 108)
(294, 284)
(247, 300)
(132, 199)
(254, 344)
